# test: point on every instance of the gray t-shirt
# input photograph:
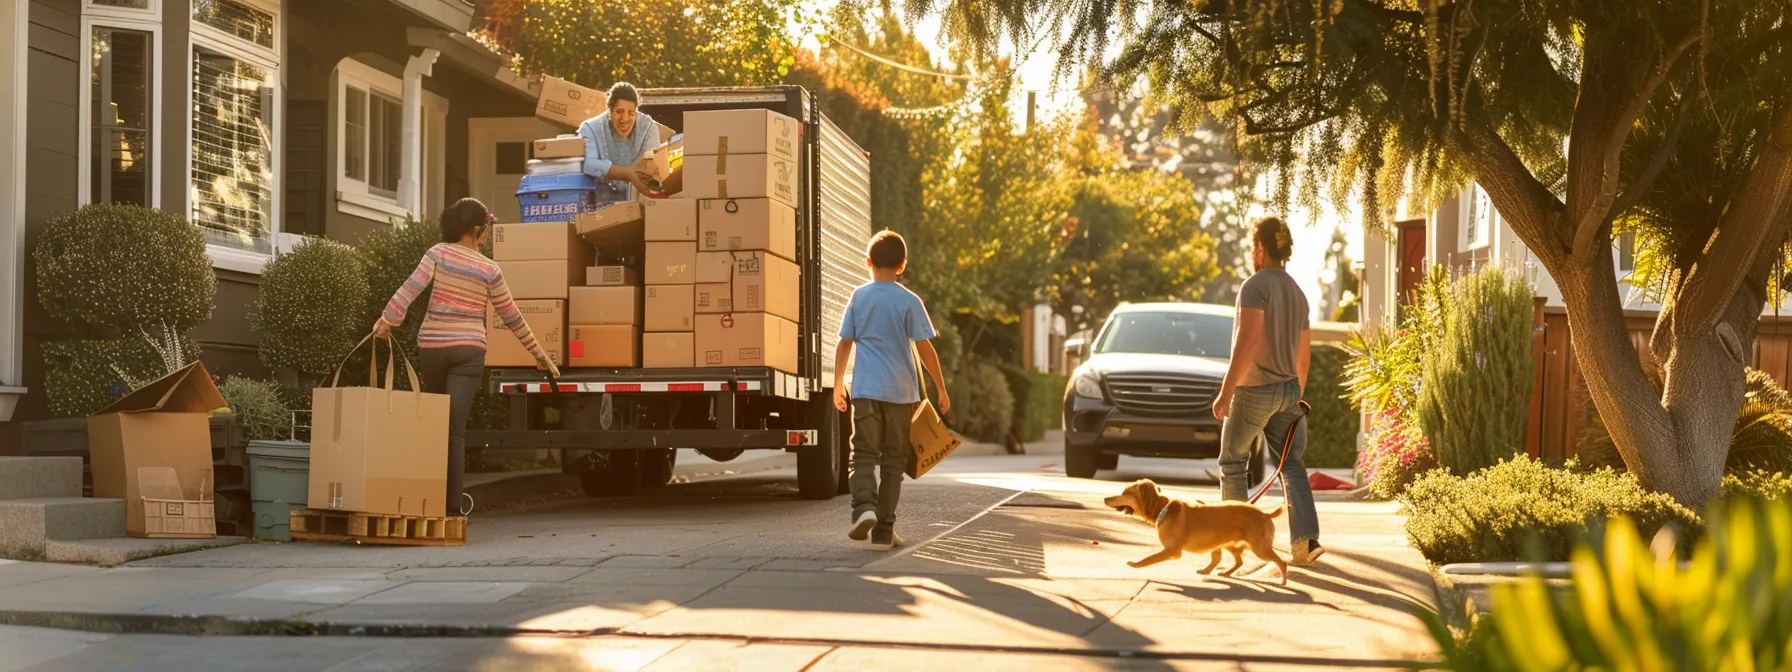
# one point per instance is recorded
(1284, 308)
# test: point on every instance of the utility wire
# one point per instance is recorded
(899, 66)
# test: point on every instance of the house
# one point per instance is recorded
(261, 120)
(1466, 232)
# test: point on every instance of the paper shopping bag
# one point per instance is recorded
(379, 450)
(928, 438)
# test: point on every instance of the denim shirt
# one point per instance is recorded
(604, 148)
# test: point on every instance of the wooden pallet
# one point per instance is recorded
(377, 529)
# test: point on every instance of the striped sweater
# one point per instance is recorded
(465, 281)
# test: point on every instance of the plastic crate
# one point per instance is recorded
(555, 198)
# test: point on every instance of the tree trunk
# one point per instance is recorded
(1675, 440)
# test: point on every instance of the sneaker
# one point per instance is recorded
(884, 538)
(861, 525)
(1307, 552)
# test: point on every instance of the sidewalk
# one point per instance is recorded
(1043, 573)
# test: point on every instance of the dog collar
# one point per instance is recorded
(1161, 513)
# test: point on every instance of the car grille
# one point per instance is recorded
(1161, 394)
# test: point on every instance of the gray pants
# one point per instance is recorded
(455, 372)
(879, 447)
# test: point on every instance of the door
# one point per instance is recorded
(498, 152)
(1411, 246)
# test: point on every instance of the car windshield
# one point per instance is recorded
(1191, 334)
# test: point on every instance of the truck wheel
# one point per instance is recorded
(657, 467)
(818, 466)
(1080, 462)
(1106, 461)
(611, 474)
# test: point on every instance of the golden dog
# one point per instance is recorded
(1201, 527)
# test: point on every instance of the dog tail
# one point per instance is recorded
(1278, 511)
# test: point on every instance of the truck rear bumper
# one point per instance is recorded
(640, 439)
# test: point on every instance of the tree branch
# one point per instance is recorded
(1592, 189)
(1520, 198)
(1756, 224)
(1401, 15)
(1639, 188)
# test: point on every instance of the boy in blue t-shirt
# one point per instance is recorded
(890, 326)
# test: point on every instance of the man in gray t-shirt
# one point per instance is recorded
(1260, 399)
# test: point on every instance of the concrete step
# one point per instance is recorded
(36, 477)
(26, 524)
(120, 550)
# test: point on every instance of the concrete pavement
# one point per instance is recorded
(1008, 563)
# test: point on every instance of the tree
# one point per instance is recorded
(1670, 118)
(650, 43)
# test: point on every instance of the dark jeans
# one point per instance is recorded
(455, 372)
(880, 453)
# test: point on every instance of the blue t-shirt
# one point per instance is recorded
(884, 320)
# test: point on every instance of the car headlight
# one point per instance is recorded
(1085, 386)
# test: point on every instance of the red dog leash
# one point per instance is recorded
(1287, 442)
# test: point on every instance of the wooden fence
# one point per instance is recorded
(1560, 405)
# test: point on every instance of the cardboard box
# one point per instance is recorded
(747, 224)
(546, 319)
(713, 298)
(764, 283)
(546, 241)
(714, 267)
(542, 279)
(668, 350)
(612, 227)
(746, 339)
(667, 158)
(603, 306)
(671, 220)
(740, 176)
(669, 308)
(163, 427)
(603, 346)
(671, 264)
(733, 132)
(612, 276)
(566, 103)
(563, 147)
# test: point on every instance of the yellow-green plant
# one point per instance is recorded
(1729, 608)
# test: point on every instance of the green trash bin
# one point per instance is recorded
(279, 473)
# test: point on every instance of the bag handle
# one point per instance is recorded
(373, 364)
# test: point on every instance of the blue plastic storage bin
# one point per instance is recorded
(555, 198)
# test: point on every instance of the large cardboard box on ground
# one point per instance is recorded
(671, 220)
(600, 306)
(669, 308)
(746, 339)
(740, 176)
(612, 276)
(612, 228)
(747, 224)
(764, 283)
(603, 346)
(671, 350)
(545, 241)
(542, 280)
(546, 319)
(714, 298)
(732, 132)
(714, 267)
(563, 147)
(670, 264)
(566, 103)
(163, 427)
(379, 450)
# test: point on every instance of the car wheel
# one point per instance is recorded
(1080, 462)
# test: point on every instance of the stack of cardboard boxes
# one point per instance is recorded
(541, 262)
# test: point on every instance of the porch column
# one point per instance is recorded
(14, 20)
(410, 173)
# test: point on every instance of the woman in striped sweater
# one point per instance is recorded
(451, 345)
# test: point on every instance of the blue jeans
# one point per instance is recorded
(1266, 412)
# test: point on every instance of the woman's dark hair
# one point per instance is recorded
(462, 218)
(1273, 234)
(621, 91)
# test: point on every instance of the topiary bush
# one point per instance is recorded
(86, 376)
(304, 313)
(985, 412)
(261, 406)
(1332, 426)
(115, 271)
(1475, 387)
(1523, 510)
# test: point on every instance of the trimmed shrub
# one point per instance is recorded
(304, 312)
(261, 406)
(389, 256)
(86, 376)
(1522, 510)
(986, 411)
(1038, 402)
(1476, 388)
(116, 271)
(1767, 485)
(1332, 426)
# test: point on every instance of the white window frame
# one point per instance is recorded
(84, 154)
(1482, 236)
(212, 39)
(354, 197)
(94, 10)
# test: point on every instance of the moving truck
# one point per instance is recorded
(618, 429)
